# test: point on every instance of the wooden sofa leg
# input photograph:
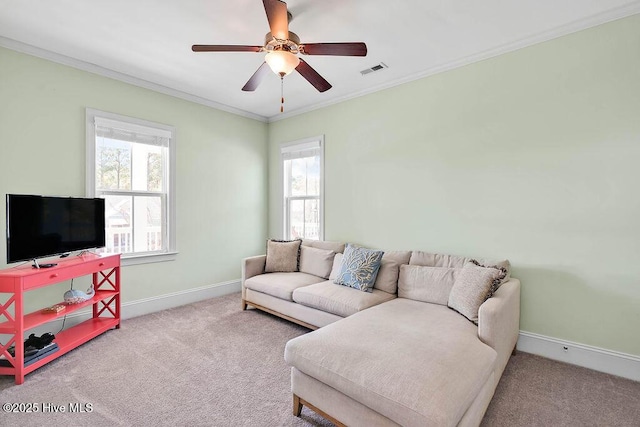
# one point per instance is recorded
(297, 406)
(514, 352)
(244, 305)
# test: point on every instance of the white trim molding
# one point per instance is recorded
(629, 9)
(570, 28)
(599, 359)
(126, 78)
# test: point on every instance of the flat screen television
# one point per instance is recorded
(41, 226)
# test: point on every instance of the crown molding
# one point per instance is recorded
(116, 75)
(573, 27)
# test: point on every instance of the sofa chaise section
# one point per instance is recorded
(406, 363)
(418, 364)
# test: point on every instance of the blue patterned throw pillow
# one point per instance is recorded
(359, 268)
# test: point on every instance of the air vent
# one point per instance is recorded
(378, 67)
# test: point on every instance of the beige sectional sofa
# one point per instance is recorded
(398, 355)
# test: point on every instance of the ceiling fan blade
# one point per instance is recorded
(257, 77)
(339, 49)
(277, 16)
(313, 77)
(224, 48)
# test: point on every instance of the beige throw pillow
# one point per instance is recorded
(282, 256)
(316, 261)
(473, 286)
(427, 284)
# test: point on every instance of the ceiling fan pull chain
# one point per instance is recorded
(281, 93)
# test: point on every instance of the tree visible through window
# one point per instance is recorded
(114, 166)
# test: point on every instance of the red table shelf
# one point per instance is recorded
(105, 306)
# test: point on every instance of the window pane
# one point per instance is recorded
(305, 176)
(113, 164)
(296, 219)
(304, 220)
(119, 237)
(155, 162)
(147, 223)
(147, 163)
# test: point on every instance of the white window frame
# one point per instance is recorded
(299, 145)
(169, 208)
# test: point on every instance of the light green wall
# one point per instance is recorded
(221, 168)
(532, 156)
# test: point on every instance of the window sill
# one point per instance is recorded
(134, 259)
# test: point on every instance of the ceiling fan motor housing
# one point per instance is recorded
(292, 44)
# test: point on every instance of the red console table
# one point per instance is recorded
(18, 281)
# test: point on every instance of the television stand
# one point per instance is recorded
(16, 282)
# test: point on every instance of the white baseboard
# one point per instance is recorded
(175, 299)
(149, 305)
(598, 359)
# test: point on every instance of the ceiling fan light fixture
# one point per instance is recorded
(282, 62)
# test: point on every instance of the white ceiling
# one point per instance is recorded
(148, 42)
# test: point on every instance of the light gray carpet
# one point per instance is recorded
(535, 391)
(211, 364)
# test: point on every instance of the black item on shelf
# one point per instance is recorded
(38, 342)
(32, 355)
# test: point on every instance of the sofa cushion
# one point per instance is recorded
(337, 247)
(340, 300)
(316, 261)
(337, 265)
(472, 287)
(428, 377)
(359, 267)
(427, 284)
(280, 285)
(429, 259)
(282, 256)
(387, 279)
(453, 261)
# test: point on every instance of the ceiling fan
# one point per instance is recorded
(282, 47)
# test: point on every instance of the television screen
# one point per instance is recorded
(40, 226)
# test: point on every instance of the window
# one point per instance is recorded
(130, 163)
(302, 172)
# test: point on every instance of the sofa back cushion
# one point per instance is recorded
(335, 269)
(426, 284)
(387, 279)
(316, 261)
(453, 261)
(337, 247)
